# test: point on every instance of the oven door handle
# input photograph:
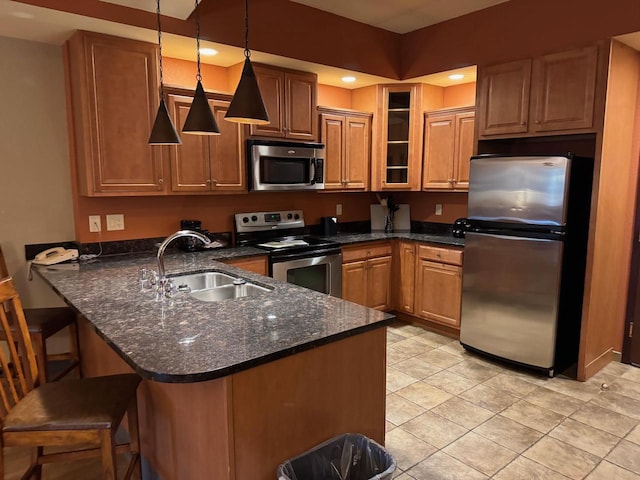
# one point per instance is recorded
(312, 180)
(285, 257)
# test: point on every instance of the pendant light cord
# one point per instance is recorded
(160, 49)
(247, 52)
(198, 76)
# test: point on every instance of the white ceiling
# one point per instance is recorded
(172, 8)
(400, 16)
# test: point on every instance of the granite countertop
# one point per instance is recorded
(182, 339)
(439, 238)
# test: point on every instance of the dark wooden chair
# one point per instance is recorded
(75, 412)
(44, 323)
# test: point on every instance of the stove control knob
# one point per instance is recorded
(245, 220)
(296, 216)
(254, 218)
(289, 216)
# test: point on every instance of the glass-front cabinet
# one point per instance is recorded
(397, 162)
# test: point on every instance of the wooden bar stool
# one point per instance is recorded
(44, 323)
(62, 414)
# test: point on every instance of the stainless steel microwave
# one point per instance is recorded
(275, 165)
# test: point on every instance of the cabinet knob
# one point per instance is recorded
(537, 121)
(523, 123)
(214, 181)
(208, 180)
(160, 181)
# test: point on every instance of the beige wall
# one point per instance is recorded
(35, 196)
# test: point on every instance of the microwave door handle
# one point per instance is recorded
(312, 180)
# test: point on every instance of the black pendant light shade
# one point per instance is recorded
(163, 131)
(200, 120)
(247, 105)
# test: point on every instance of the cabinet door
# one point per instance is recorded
(397, 162)
(227, 160)
(255, 264)
(463, 149)
(271, 85)
(357, 157)
(354, 284)
(503, 106)
(114, 89)
(301, 121)
(190, 166)
(405, 282)
(439, 292)
(379, 283)
(439, 147)
(332, 135)
(563, 90)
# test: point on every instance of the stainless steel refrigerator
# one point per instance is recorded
(524, 258)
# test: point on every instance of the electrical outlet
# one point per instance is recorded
(95, 225)
(115, 222)
(438, 209)
(339, 209)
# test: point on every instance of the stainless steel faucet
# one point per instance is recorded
(162, 279)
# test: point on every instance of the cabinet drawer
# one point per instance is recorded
(438, 254)
(362, 252)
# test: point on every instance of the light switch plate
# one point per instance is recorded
(115, 222)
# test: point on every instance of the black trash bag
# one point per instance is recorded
(350, 456)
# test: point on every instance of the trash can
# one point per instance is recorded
(350, 456)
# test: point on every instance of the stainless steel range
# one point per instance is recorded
(294, 255)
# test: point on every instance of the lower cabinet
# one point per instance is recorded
(439, 285)
(366, 275)
(254, 264)
(428, 282)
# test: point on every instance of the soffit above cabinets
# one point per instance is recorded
(171, 8)
(400, 16)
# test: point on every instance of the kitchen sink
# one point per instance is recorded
(216, 286)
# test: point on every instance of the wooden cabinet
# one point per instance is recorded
(439, 285)
(206, 163)
(366, 275)
(347, 138)
(114, 98)
(448, 147)
(290, 98)
(405, 265)
(258, 264)
(553, 93)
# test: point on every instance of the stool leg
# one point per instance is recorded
(74, 347)
(108, 447)
(41, 357)
(36, 473)
(134, 439)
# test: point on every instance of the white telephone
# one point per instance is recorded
(55, 255)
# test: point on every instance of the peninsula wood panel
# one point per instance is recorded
(309, 397)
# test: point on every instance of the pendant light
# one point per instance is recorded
(163, 131)
(200, 119)
(247, 105)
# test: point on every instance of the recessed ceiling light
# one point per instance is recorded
(208, 51)
(349, 79)
(456, 76)
(19, 14)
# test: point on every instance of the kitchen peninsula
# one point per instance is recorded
(232, 388)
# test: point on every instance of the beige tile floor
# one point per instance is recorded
(453, 415)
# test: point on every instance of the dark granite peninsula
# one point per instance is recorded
(233, 387)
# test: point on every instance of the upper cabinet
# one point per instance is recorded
(397, 132)
(448, 146)
(206, 163)
(114, 98)
(290, 98)
(550, 94)
(346, 135)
